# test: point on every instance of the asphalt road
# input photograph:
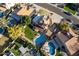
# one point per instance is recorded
(58, 11)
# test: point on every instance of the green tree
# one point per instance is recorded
(64, 26)
(27, 20)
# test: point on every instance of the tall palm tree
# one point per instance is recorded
(15, 31)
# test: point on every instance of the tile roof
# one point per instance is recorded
(24, 11)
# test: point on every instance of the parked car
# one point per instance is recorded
(61, 5)
(67, 13)
(77, 14)
(70, 21)
(76, 26)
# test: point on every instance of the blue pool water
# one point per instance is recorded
(52, 48)
(40, 40)
(1, 14)
(1, 30)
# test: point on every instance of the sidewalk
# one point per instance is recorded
(55, 5)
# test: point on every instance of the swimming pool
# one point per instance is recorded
(40, 40)
(1, 30)
(52, 48)
(1, 14)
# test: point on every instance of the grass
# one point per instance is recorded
(70, 10)
(29, 33)
(19, 45)
(16, 52)
(16, 49)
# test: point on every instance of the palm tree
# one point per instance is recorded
(15, 31)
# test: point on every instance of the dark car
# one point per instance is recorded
(67, 13)
(77, 14)
(61, 5)
(69, 20)
(76, 26)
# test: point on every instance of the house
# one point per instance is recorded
(73, 46)
(69, 41)
(3, 42)
(26, 11)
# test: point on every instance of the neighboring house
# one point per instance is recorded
(26, 11)
(72, 46)
(3, 42)
(69, 41)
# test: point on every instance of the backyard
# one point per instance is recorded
(15, 49)
(25, 43)
(29, 33)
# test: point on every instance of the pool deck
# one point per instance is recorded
(45, 49)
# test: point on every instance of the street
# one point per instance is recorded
(58, 11)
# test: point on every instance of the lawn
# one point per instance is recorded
(30, 33)
(16, 52)
(67, 8)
